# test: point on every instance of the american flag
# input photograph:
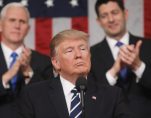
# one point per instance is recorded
(48, 17)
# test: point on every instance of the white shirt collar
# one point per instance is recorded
(7, 52)
(112, 42)
(67, 86)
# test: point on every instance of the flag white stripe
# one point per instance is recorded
(60, 24)
(96, 33)
(136, 16)
(30, 38)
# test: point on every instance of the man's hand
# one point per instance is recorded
(25, 62)
(116, 67)
(7, 76)
(137, 61)
(129, 54)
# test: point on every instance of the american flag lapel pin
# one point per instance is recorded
(94, 97)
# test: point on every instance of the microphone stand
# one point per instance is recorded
(81, 85)
(82, 103)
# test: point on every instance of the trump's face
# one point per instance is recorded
(72, 58)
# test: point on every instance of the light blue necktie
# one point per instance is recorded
(75, 110)
(14, 79)
(123, 72)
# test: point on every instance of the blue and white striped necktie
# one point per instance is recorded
(75, 109)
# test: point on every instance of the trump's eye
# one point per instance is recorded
(68, 50)
(83, 48)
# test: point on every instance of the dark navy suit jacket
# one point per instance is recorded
(138, 95)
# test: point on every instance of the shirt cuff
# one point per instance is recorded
(30, 75)
(139, 71)
(6, 86)
(111, 80)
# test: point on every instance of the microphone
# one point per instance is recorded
(81, 85)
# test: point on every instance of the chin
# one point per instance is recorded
(83, 72)
(113, 34)
(17, 41)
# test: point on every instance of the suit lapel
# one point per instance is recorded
(58, 99)
(133, 39)
(106, 54)
(93, 103)
(3, 66)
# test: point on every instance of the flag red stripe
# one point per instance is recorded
(147, 18)
(43, 35)
(80, 23)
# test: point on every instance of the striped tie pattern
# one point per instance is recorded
(123, 72)
(14, 79)
(75, 109)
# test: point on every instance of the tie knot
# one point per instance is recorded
(119, 44)
(74, 91)
(14, 55)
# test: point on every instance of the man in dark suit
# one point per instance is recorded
(53, 98)
(109, 60)
(26, 67)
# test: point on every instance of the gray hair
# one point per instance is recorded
(13, 4)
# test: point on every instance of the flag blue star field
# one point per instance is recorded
(48, 17)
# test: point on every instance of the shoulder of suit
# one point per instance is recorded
(97, 46)
(38, 54)
(109, 89)
(146, 41)
(137, 37)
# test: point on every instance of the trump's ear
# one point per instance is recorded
(55, 63)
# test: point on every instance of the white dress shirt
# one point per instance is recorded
(7, 53)
(67, 87)
(115, 50)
